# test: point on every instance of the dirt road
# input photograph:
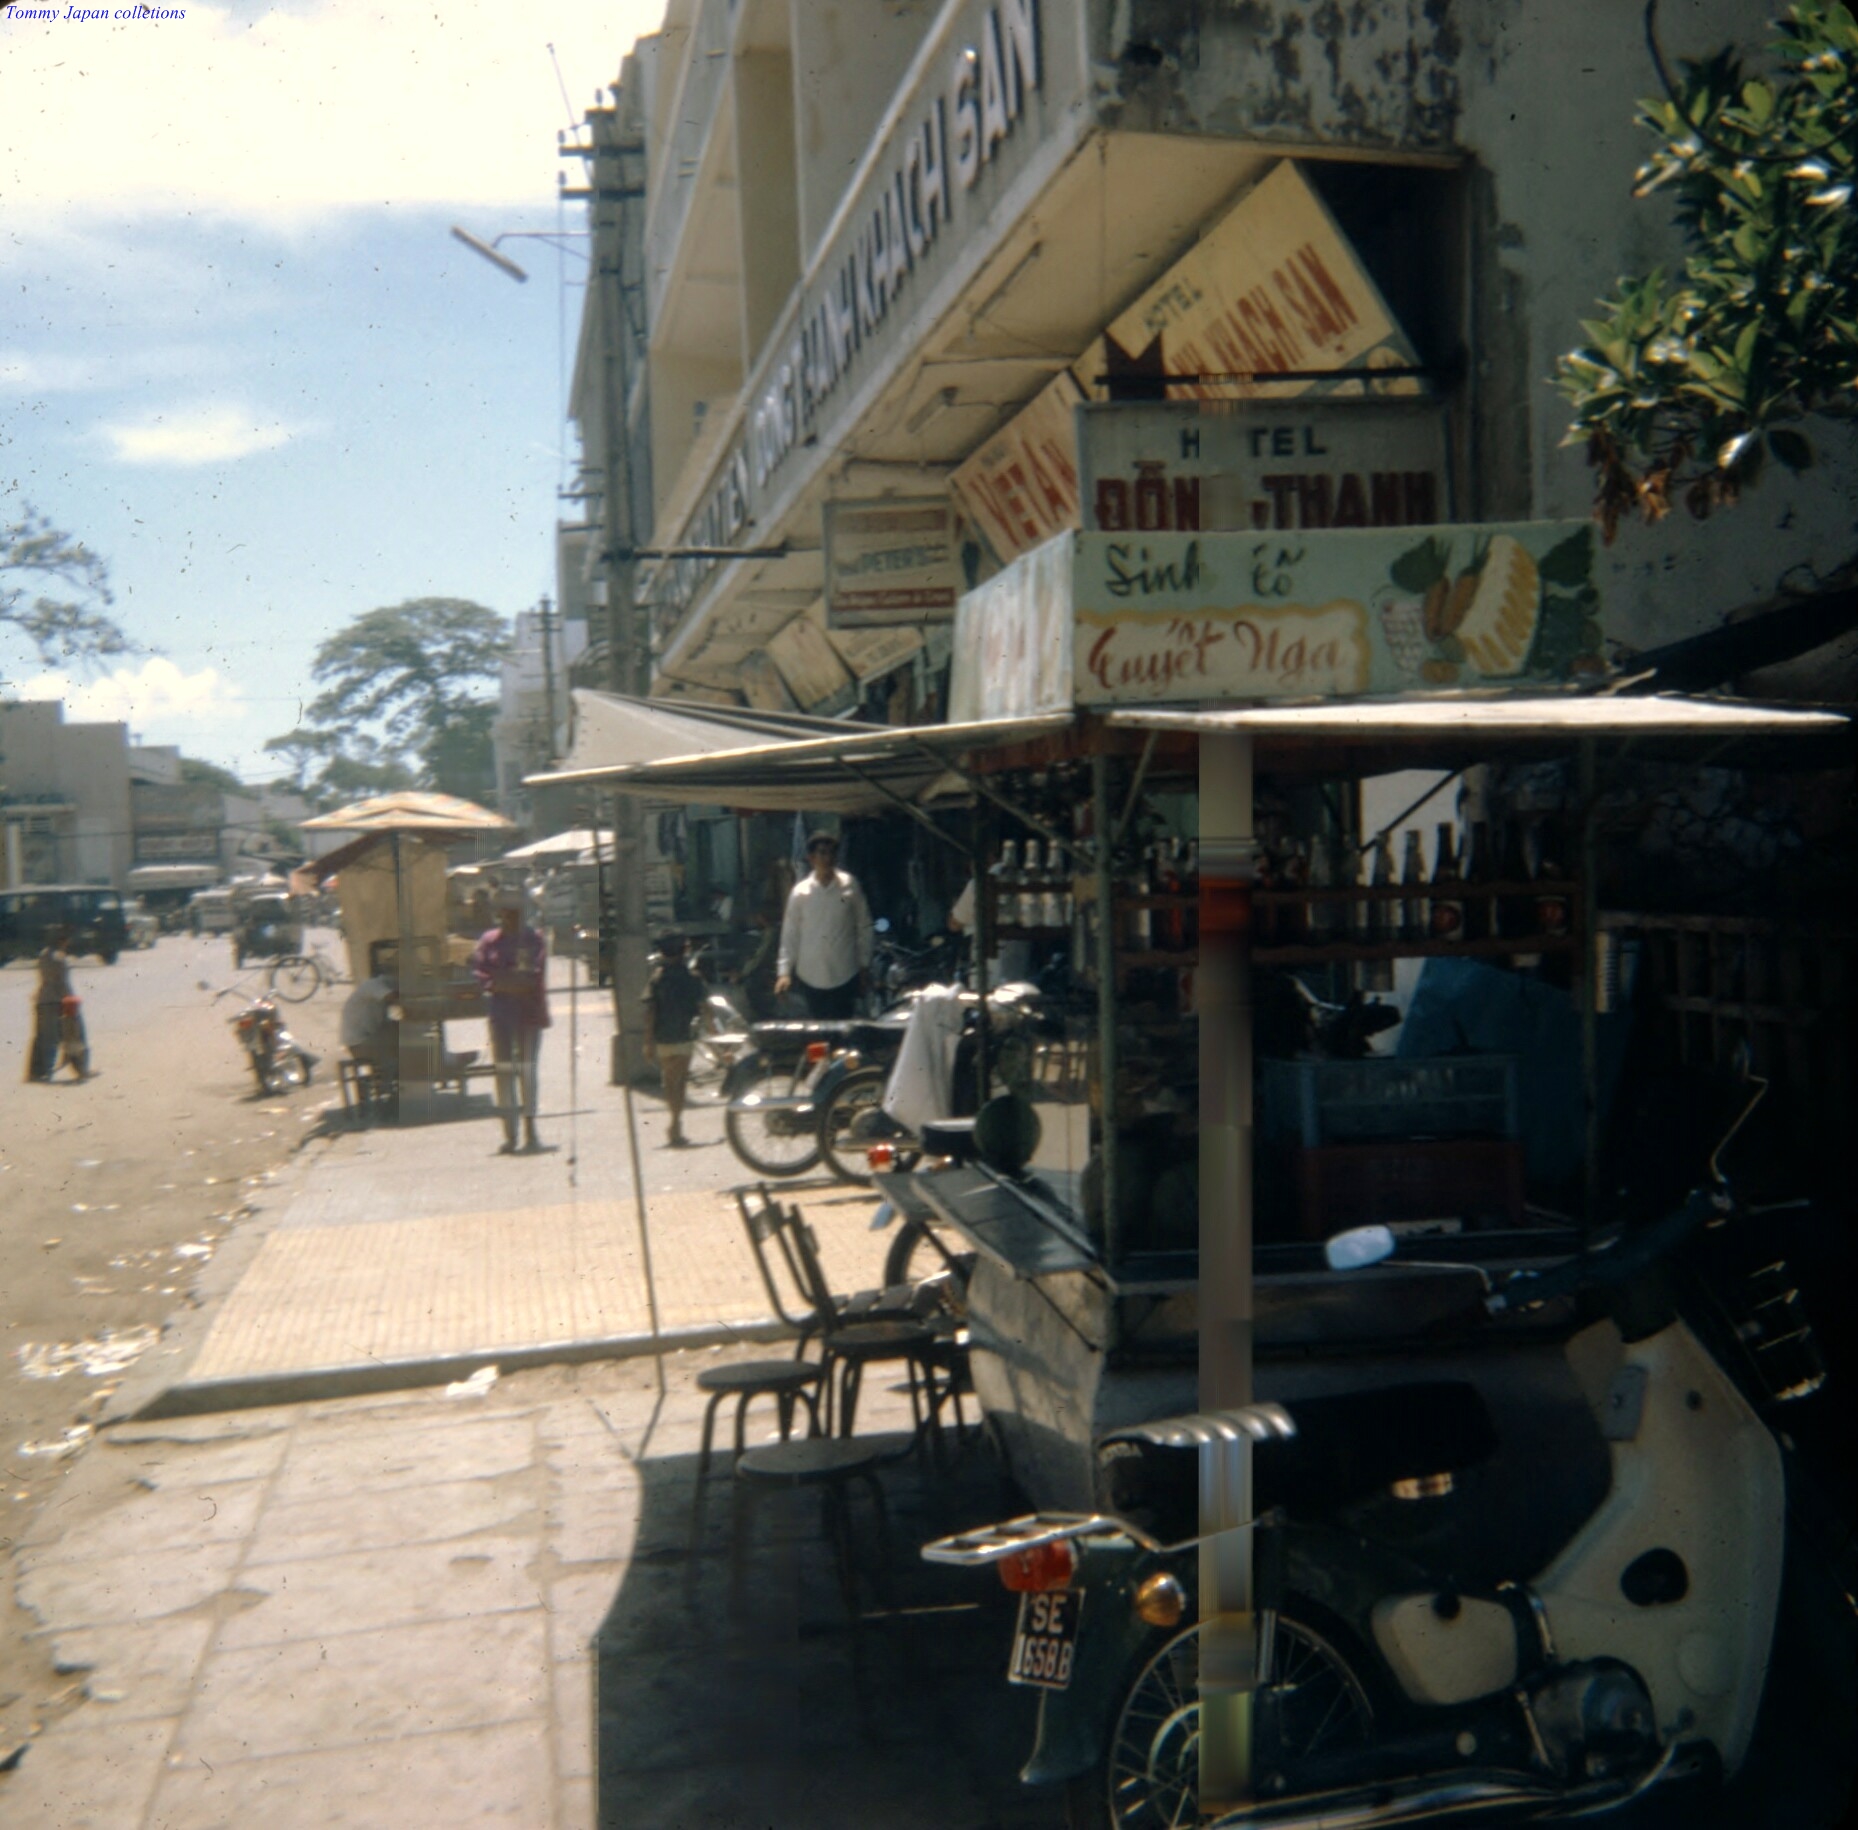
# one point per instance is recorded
(113, 1195)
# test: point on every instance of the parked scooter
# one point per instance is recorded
(278, 1060)
(1563, 1563)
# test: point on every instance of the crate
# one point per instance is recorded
(1477, 1180)
(1312, 1103)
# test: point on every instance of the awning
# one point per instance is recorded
(1374, 736)
(871, 768)
(859, 769)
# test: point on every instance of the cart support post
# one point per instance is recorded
(1223, 997)
(1112, 1241)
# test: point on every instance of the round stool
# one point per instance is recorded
(829, 1463)
(782, 1380)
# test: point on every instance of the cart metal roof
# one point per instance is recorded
(867, 769)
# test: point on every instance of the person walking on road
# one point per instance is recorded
(825, 935)
(58, 1038)
(511, 963)
(673, 999)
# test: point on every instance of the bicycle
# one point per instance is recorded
(297, 976)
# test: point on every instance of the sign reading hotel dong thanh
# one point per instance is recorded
(1146, 619)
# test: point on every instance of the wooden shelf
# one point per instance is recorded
(1341, 952)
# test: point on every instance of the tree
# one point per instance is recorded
(1689, 381)
(329, 768)
(211, 775)
(403, 702)
(63, 620)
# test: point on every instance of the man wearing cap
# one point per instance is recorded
(825, 936)
(511, 963)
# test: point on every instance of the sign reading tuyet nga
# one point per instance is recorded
(1173, 617)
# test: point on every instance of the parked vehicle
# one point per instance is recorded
(142, 927)
(211, 912)
(267, 927)
(91, 915)
(277, 1059)
(1561, 1558)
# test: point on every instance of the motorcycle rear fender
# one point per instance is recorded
(1075, 1723)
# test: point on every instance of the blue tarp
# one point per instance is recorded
(1462, 1006)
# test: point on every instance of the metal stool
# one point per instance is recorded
(782, 1380)
(829, 1463)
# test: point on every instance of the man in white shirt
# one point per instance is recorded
(825, 936)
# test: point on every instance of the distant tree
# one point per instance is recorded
(211, 775)
(1688, 380)
(330, 768)
(54, 593)
(408, 699)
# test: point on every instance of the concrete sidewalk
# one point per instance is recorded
(397, 1255)
(495, 1603)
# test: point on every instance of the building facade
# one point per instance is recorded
(863, 258)
(64, 798)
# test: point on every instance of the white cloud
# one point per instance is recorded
(197, 435)
(155, 692)
(289, 113)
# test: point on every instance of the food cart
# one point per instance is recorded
(391, 882)
(1171, 732)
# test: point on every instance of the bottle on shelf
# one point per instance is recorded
(1413, 923)
(1446, 917)
(1005, 876)
(1293, 927)
(1059, 901)
(1031, 884)
(1553, 917)
(1479, 910)
(1170, 923)
(1516, 909)
(1322, 913)
(1266, 926)
(1139, 928)
(1190, 887)
(1381, 910)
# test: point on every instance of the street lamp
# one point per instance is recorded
(488, 249)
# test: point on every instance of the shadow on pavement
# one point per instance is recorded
(758, 1704)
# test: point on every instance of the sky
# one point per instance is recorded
(242, 358)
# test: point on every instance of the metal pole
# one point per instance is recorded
(1223, 995)
(1106, 1004)
(1586, 985)
(645, 1234)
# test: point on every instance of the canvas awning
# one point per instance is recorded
(869, 769)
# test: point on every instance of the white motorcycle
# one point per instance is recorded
(1555, 1559)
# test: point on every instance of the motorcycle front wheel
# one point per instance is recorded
(774, 1140)
(1149, 1777)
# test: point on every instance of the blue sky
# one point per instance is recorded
(241, 356)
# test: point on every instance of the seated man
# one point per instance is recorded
(370, 1027)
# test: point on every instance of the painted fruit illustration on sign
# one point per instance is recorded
(1490, 610)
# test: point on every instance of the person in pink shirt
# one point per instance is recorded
(511, 963)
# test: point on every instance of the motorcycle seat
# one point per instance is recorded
(1346, 1447)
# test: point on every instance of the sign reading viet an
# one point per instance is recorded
(1176, 467)
(1020, 488)
(890, 562)
(1171, 617)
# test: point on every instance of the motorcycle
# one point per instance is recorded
(278, 1060)
(1562, 1561)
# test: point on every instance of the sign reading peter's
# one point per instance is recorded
(1182, 617)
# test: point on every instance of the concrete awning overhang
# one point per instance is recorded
(1084, 206)
(872, 770)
